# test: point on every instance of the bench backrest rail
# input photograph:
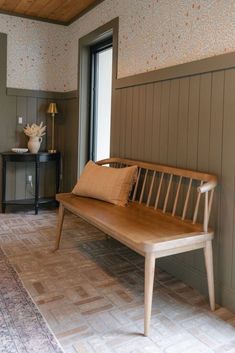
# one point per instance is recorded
(168, 188)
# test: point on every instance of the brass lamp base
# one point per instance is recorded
(51, 151)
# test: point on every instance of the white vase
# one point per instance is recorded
(34, 144)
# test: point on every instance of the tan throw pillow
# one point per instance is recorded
(105, 183)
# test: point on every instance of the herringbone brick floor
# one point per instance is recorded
(91, 292)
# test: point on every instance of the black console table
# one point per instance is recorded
(37, 159)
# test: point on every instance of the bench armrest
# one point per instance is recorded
(210, 185)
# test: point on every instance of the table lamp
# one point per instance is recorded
(52, 109)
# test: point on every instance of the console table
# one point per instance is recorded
(37, 159)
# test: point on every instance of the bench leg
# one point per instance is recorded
(208, 254)
(148, 291)
(59, 226)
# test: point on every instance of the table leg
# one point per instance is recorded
(57, 175)
(4, 186)
(37, 179)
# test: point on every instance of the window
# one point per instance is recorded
(101, 90)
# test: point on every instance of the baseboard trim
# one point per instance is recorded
(197, 279)
(228, 296)
(187, 274)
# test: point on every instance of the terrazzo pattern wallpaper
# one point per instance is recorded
(152, 34)
(159, 33)
(37, 54)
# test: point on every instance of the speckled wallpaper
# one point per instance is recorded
(152, 34)
(158, 33)
(37, 54)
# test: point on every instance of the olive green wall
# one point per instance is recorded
(185, 116)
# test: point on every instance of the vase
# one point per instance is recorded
(34, 144)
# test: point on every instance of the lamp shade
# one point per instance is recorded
(52, 109)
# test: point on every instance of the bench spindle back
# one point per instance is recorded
(172, 190)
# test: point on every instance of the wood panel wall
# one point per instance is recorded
(187, 122)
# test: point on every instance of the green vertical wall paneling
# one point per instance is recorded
(117, 124)
(69, 142)
(42, 104)
(204, 137)
(141, 121)
(227, 179)
(164, 122)
(173, 123)
(20, 170)
(164, 135)
(155, 136)
(129, 117)
(192, 126)
(135, 120)
(172, 136)
(122, 119)
(215, 153)
(114, 126)
(192, 141)
(182, 140)
(31, 117)
(148, 122)
(204, 121)
(3, 63)
(193, 114)
(182, 136)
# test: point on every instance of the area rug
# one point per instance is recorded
(22, 327)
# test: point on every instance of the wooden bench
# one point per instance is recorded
(166, 215)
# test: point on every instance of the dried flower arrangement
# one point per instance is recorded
(35, 130)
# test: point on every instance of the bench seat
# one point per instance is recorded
(142, 229)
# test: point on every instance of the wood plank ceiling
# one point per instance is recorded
(59, 11)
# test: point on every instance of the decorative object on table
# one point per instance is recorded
(35, 133)
(52, 109)
(19, 150)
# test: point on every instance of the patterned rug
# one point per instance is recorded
(22, 327)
